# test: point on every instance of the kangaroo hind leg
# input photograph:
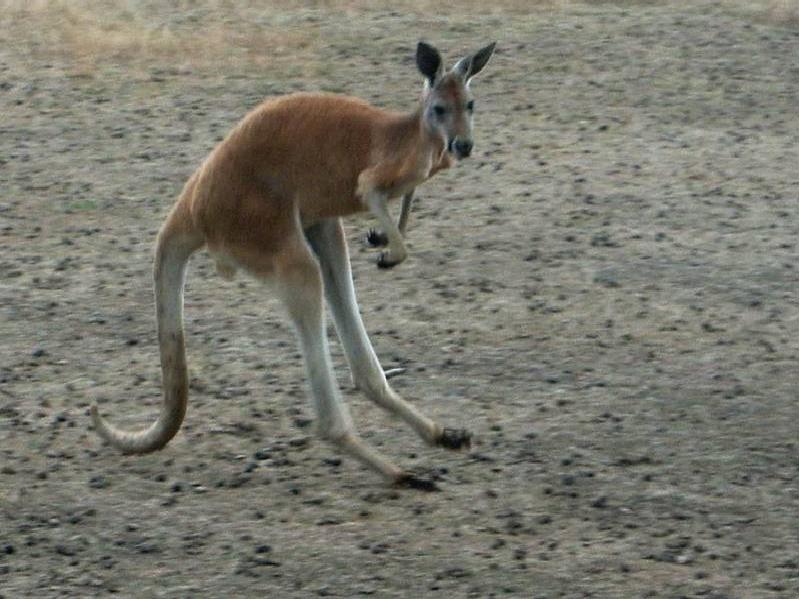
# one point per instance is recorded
(299, 285)
(328, 241)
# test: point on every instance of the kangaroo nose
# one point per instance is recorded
(463, 148)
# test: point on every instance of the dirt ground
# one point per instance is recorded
(605, 294)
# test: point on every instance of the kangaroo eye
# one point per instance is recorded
(471, 105)
(439, 110)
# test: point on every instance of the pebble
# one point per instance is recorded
(99, 482)
(262, 454)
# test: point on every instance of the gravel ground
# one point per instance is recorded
(605, 294)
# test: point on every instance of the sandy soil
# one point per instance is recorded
(606, 294)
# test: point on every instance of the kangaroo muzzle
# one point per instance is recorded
(460, 148)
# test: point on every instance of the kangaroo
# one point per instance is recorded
(269, 200)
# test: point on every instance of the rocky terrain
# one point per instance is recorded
(606, 294)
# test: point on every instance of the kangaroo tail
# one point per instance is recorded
(173, 249)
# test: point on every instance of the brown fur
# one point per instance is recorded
(317, 154)
(268, 200)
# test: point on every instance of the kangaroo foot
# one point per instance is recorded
(455, 439)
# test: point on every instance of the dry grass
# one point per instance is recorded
(285, 35)
(783, 11)
(88, 34)
(220, 34)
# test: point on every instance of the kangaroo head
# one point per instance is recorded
(447, 104)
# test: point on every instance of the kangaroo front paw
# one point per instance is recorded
(377, 239)
(387, 261)
(407, 479)
(455, 439)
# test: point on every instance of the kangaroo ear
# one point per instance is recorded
(472, 65)
(429, 62)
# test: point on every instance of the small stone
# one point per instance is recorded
(147, 547)
(99, 482)
(64, 550)
(302, 422)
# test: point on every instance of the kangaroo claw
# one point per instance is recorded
(455, 439)
(385, 263)
(376, 239)
(415, 482)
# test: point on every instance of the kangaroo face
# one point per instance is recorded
(447, 103)
(448, 110)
